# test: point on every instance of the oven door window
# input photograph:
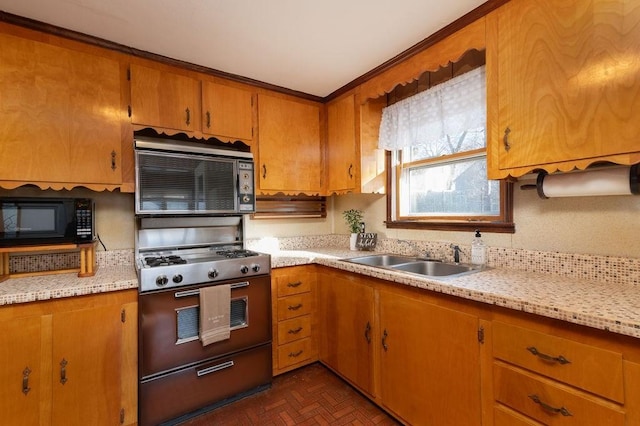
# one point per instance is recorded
(188, 319)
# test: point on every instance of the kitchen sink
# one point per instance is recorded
(382, 259)
(434, 269)
(415, 265)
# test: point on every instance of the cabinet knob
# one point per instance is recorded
(350, 171)
(113, 160)
(208, 116)
(384, 340)
(505, 139)
(367, 332)
(63, 371)
(264, 171)
(188, 116)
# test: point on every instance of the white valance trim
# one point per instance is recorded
(446, 110)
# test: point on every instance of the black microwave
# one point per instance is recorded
(36, 221)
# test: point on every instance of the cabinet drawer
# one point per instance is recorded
(294, 353)
(294, 283)
(294, 329)
(503, 416)
(587, 367)
(551, 403)
(294, 306)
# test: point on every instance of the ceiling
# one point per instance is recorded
(310, 46)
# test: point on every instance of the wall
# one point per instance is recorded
(586, 225)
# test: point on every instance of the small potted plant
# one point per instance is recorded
(353, 218)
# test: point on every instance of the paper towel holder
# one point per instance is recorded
(582, 183)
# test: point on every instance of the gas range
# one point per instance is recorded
(163, 269)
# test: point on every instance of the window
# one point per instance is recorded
(437, 158)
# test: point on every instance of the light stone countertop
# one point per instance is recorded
(605, 306)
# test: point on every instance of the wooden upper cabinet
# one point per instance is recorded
(289, 152)
(227, 112)
(563, 85)
(342, 153)
(62, 116)
(164, 99)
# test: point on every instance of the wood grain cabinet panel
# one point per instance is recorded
(290, 158)
(294, 322)
(563, 85)
(587, 367)
(22, 378)
(81, 355)
(227, 112)
(549, 402)
(347, 314)
(342, 153)
(62, 116)
(164, 99)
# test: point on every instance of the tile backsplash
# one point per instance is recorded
(606, 269)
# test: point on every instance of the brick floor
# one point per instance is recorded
(309, 396)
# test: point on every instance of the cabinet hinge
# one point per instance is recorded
(123, 315)
(481, 335)
(129, 110)
(122, 416)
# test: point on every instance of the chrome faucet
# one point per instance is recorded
(456, 253)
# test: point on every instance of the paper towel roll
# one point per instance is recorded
(604, 181)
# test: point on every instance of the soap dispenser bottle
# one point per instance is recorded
(478, 250)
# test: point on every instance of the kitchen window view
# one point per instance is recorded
(437, 140)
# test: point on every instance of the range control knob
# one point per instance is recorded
(177, 278)
(212, 273)
(244, 269)
(162, 280)
(255, 267)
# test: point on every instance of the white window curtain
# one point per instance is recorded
(446, 110)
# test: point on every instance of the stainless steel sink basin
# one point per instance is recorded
(414, 265)
(382, 259)
(434, 269)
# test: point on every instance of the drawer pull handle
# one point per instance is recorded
(295, 354)
(384, 340)
(294, 285)
(215, 368)
(295, 331)
(295, 307)
(367, 332)
(548, 408)
(548, 358)
(505, 139)
(63, 371)
(25, 380)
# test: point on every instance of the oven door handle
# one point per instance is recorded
(215, 368)
(196, 292)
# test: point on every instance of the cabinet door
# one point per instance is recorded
(566, 81)
(21, 371)
(341, 146)
(430, 362)
(227, 111)
(61, 114)
(290, 156)
(346, 321)
(87, 347)
(164, 99)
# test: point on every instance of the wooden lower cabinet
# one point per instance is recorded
(293, 291)
(346, 308)
(418, 360)
(70, 361)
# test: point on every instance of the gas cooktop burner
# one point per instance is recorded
(153, 261)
